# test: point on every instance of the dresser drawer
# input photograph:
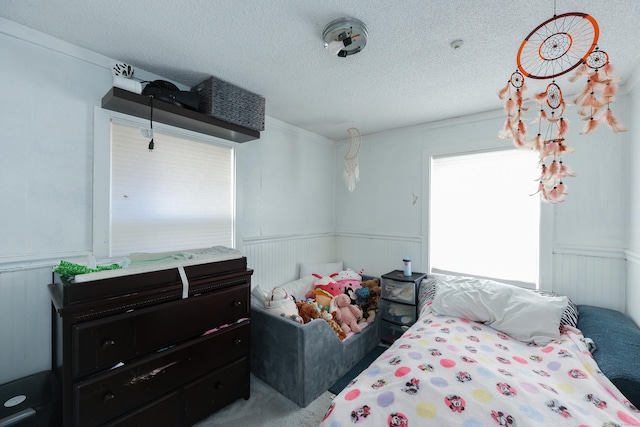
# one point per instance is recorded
(103, 343)
(167, 411)
(216, 390)
(111, 394)
(399, 291)
(401, 314)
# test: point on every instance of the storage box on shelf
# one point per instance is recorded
(398, 303)
(231, 103)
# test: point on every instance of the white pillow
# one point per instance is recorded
(517, 312)
(323, 269)
(298, 288)
(258, 296)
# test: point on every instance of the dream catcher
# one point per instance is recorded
(557, 46)
(351, 168)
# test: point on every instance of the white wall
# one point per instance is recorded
(633, 254)
(284, 197)
(285, 204)
(585, 258)
(46, 166)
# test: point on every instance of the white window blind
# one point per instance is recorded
(483, 221)
(178, 196)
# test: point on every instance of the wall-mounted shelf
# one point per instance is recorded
(126, 102)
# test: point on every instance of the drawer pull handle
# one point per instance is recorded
(237, 303)
(108, 398)
(237, 341)
(219, 386)
(108, 343)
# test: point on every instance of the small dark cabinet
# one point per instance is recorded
(399, 303)
(142, 349)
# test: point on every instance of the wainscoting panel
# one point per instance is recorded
(25, 323)
(594, 277)
(277, 260)
(378, 254)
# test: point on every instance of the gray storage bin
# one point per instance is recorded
(401, 291)
(390, 332)
(401, 314)
(231, 103)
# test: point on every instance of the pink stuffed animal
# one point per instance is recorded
(325, 289)
(347, 314)
(348, 282)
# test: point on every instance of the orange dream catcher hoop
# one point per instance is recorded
(557, 46)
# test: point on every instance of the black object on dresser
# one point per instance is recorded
(398, 303)
(165, 347)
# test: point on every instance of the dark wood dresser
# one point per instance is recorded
(165, 347)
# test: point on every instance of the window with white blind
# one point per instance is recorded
(180, 195)
(483, 219)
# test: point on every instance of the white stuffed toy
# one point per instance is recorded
(281, 303)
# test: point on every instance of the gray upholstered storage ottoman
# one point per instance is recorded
(303, 361)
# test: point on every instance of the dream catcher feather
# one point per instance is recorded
(351, 172)
(557, 46)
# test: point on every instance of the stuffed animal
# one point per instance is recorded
(325, 289)
(362, 295)
(370, 283)
(280, 303)
(307, 311)
(349, 282)
(347, 314)
(374, 288)
(331, 320)
(313, 302)
(369, 306)
(296, 318)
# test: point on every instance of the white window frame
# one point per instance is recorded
(102, 171)
(547, 211)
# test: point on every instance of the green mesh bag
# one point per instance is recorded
(67, 270)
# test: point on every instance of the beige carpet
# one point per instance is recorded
(268, 408)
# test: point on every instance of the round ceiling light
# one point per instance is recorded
(345, 36)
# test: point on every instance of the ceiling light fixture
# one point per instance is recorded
(345, 36)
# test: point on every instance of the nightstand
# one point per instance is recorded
(398, 303)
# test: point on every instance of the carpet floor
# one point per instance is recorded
(360, 366)
(268, 408)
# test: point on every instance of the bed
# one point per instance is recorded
(301, 361)
(483, 354)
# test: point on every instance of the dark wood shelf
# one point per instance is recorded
(126, 102)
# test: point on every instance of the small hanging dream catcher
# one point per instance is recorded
(557, 46)
(351, 172)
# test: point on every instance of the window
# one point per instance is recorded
(178, 196)
(483, 221)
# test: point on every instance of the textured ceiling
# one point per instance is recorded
(408, 74)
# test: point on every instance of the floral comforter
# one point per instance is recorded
(449, 371)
